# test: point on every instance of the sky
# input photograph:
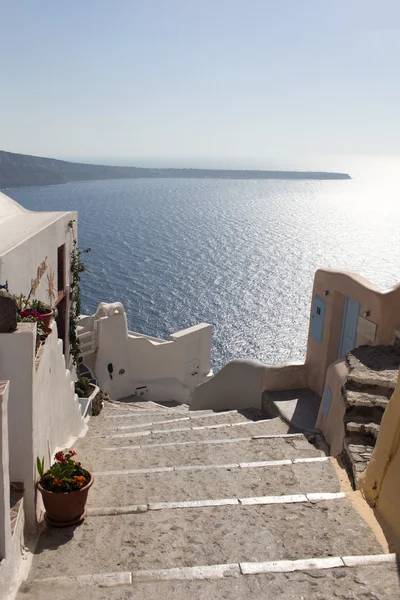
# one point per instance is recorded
(250, 83)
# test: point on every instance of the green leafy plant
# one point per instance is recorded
(40, 466)
(64, 475)
(82, 387)
(39, 306)
(25, 302)
(28, 313)
(31, 317)
(76, 268)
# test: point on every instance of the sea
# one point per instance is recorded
(238, 254)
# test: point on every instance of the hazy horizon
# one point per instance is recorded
(252, 84)
(354, 164)
(243, 163)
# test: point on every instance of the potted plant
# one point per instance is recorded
(44, 311)
(89, 396)
(83, 387)
(64, 488)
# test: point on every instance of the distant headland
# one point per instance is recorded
(20, 170)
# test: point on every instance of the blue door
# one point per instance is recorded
(349, 327)
(317, 319)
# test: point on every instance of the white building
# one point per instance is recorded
(39, 411)
(126, 363)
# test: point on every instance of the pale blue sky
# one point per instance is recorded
(199, 82)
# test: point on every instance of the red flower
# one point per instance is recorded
(60, 456)
(32, 313)
(72, 453)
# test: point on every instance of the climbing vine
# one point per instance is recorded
(77, 267)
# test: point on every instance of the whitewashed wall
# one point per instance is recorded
(11, 547)
(20, 265)
(57, 419)
(237, 385)
(5, 526)
(17, 365)
(166, 370)
(44, 412)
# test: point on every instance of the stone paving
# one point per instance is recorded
(250, 530)
(372, 378)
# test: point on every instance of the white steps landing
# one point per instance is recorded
(240, 511)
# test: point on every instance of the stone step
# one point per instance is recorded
(354, 385)
(362, 426)
(200, 483)
(135, 403)
(271, 522)
(378, 581)
(111, 426)
(163, 539)
(363, 400)
(369, 382)
(357, 452)
(130, 415)
(202, 452)
(190, 432)
(373, 369)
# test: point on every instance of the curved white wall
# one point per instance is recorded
(162, 370)
(237, 385)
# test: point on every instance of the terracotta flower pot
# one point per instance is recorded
(47, 317)
(68, 508)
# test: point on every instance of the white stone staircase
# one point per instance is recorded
(209, 505)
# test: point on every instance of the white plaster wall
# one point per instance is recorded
(19, 265)
(44, 412)
(237, 385)
(5, 527)
(11, 548)
(17, 352)
(57, 418)
(332, 424)
(287, 376)
(194, 346)
(15, 568)
(9, 207)
(165, 367)
(240, 384)
(17, 364)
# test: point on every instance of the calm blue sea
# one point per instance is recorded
(240, 255)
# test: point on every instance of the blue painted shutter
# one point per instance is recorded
(326, 401)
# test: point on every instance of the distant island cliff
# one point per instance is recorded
(20, 170)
